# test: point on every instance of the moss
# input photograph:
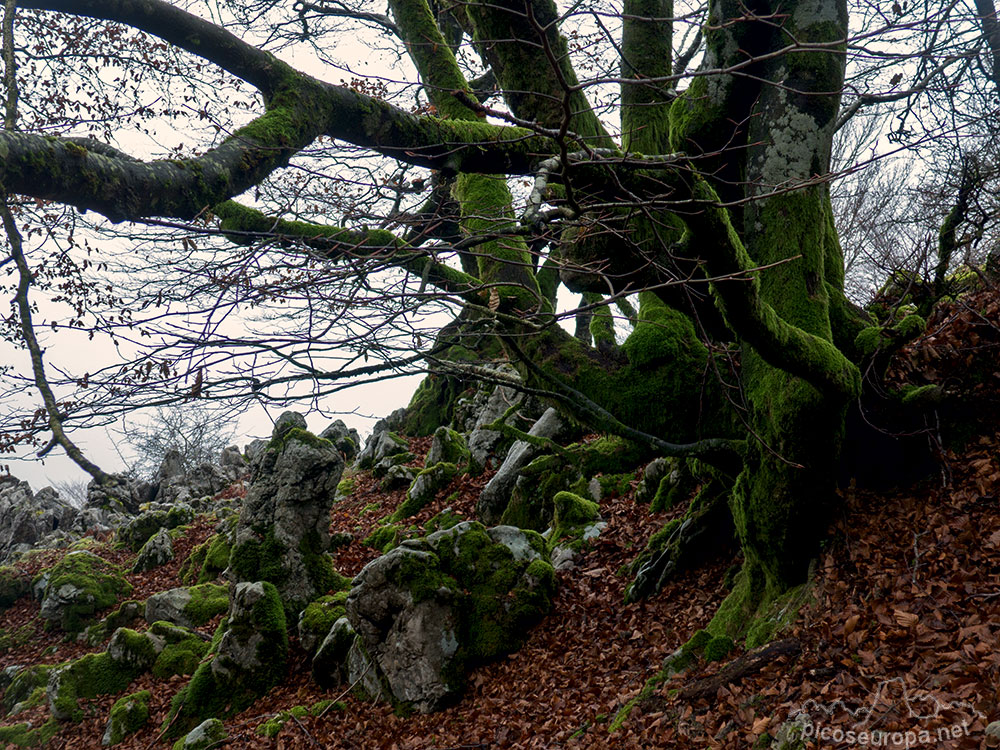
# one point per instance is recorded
(571, 516)
(24, 684)
(223, 691)
(446, 519)
(126, 614)
(910, 327)
(207, 601)
(425, 487)
(384, 538)
(259, 559)
(182, 652)
(274, 725)
(318, 617)
(718, 648)
(98, 582)
(869, 340)
(88, 677)
(325, 706)
(14, 584)
(207, 561)
(303, 436)
(23, 735)
(128, 715)
(345, 487)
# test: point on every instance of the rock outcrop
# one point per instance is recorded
(282, 535)
(420, 616)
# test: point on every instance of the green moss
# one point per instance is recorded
(384, 538)
(23, 735)
(14, 584)
(207, 561)
(207, 601)
(446, 519)
(571, 516)
(718, 648)
(303, 436)
(325, 706)
(274, 725)
(24, 684)
(346, 485)
(228, 689)
(318, 617)
(98, 581)
(128, 715)
(259, 559)
(425, 487)
(126, 614)
(88, 677)
(182, 652)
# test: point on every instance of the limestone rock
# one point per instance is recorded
(427, 610)
(207, 734)
(344, 439)
(77, 587)
(128, 715)
(26, 518)
(283, 531)
(496, 494)
(159, 550)
(140, 529)
(249, 660)
(447, 446)
(188, 607)
(380, 446)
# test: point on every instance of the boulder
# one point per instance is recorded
(157, 551)
(345, 439)
(316, 620)
(496, 494)
(209, 733)
(27, 518)
(116, 496)
(282, 535)
(140, 529)
(380, 446)
(128, 715)
(189, 607)
(249, 660)
(424, 613)
(205, 480)
(447, 446)
(77, 587)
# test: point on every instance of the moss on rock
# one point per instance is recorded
(78, 586)
(206, 561)
(129, 714)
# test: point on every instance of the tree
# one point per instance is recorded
(711, 204)
(196, 434)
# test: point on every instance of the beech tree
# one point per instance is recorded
(703, 191)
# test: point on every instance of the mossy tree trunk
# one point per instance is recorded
(730, 240)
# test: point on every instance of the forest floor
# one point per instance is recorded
(900, 637)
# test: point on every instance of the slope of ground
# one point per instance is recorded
(901, 638)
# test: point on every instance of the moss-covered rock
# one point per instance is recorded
(424, 489)
(127, 613)
(24, 735)
(181, 650)
(25, 683)
(129, 714)
(77, 587)
(206, 561)
(572, 518)
(129, 654)
(271, 727)
(447, 446)
(190, 606)
(433, 607)
(14, 584)
(531, 505)
(138, 531)
(283, 533)
(316, 619)
(248, 660)
(209, 733)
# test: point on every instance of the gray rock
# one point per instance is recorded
(384, 466)
(231, 461)
(29, 520)
(169, 606)
(483, 443)
(254, 452)
(345, 439)
(420, 610)
(496, 494)
(381, 445)
(289, 420)
(447, 446)
(652, 475)
(207, 734)
(399, 476)
(158, 550)
(116, 495)
(285, 519)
